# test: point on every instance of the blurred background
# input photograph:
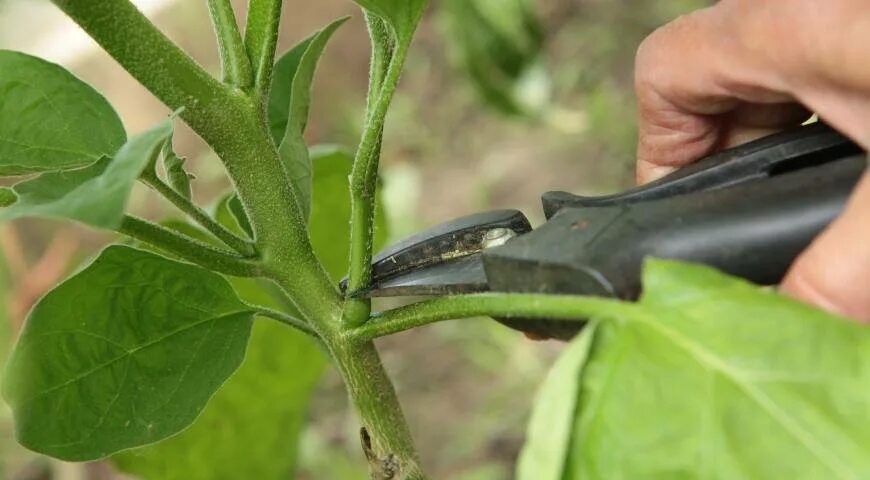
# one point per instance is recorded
(501, 101)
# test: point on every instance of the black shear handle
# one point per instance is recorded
(802, 147)
(753, 230)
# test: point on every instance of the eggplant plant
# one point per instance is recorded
(706, 376)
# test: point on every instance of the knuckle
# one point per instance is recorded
(660, 49)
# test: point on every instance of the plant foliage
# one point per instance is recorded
(125, 353)
(59, 121)
(707, 376)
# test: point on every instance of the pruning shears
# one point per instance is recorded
(748, 211)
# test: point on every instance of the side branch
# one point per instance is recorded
(503, 305)
(188, 248)
(261, 39)
(363, 182)
(235, 65)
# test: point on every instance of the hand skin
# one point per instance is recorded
(745, 68)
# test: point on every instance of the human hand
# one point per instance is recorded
(746, 68)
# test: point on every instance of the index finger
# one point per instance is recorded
(698, 94)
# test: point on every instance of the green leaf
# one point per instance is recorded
(291, 86)
(329, 226)
(549, 432)
(401, 15)
(125, 353)
(251, 428)
(278, 110)
(177, 177)
(712, 377)
(51, 120)
(95, 195)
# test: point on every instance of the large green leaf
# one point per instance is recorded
(712, 377)
(95, 195)
(289, 104)
(250, 429)
(401, 15)
(125, 353)
(51, 120)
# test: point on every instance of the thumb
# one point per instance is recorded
(834, 272)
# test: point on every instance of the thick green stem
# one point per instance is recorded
(261, 39)
(390, 450)
(502, 305)
(235, 65)
(363, 185)
(234, 125)
(280, 230)
(188, 248)
(156, 62)
(199, 215)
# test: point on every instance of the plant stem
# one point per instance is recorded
(391, 454)
(261, 39)
(238, 244)
(188, 248)
(233, 122)
(503, 305)
(235, 65)
(363, 185)
(234, 125)
(280, 230)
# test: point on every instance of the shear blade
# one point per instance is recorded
(445, 259)
(463, 275)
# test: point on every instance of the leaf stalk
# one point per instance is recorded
(502, 305)
(240, 245)
(188, 248)
(286, 319)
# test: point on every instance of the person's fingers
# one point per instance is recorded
(745, 123)
(675, 113)
(834, 273)
(698, 92)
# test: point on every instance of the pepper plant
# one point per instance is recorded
(705, 376)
